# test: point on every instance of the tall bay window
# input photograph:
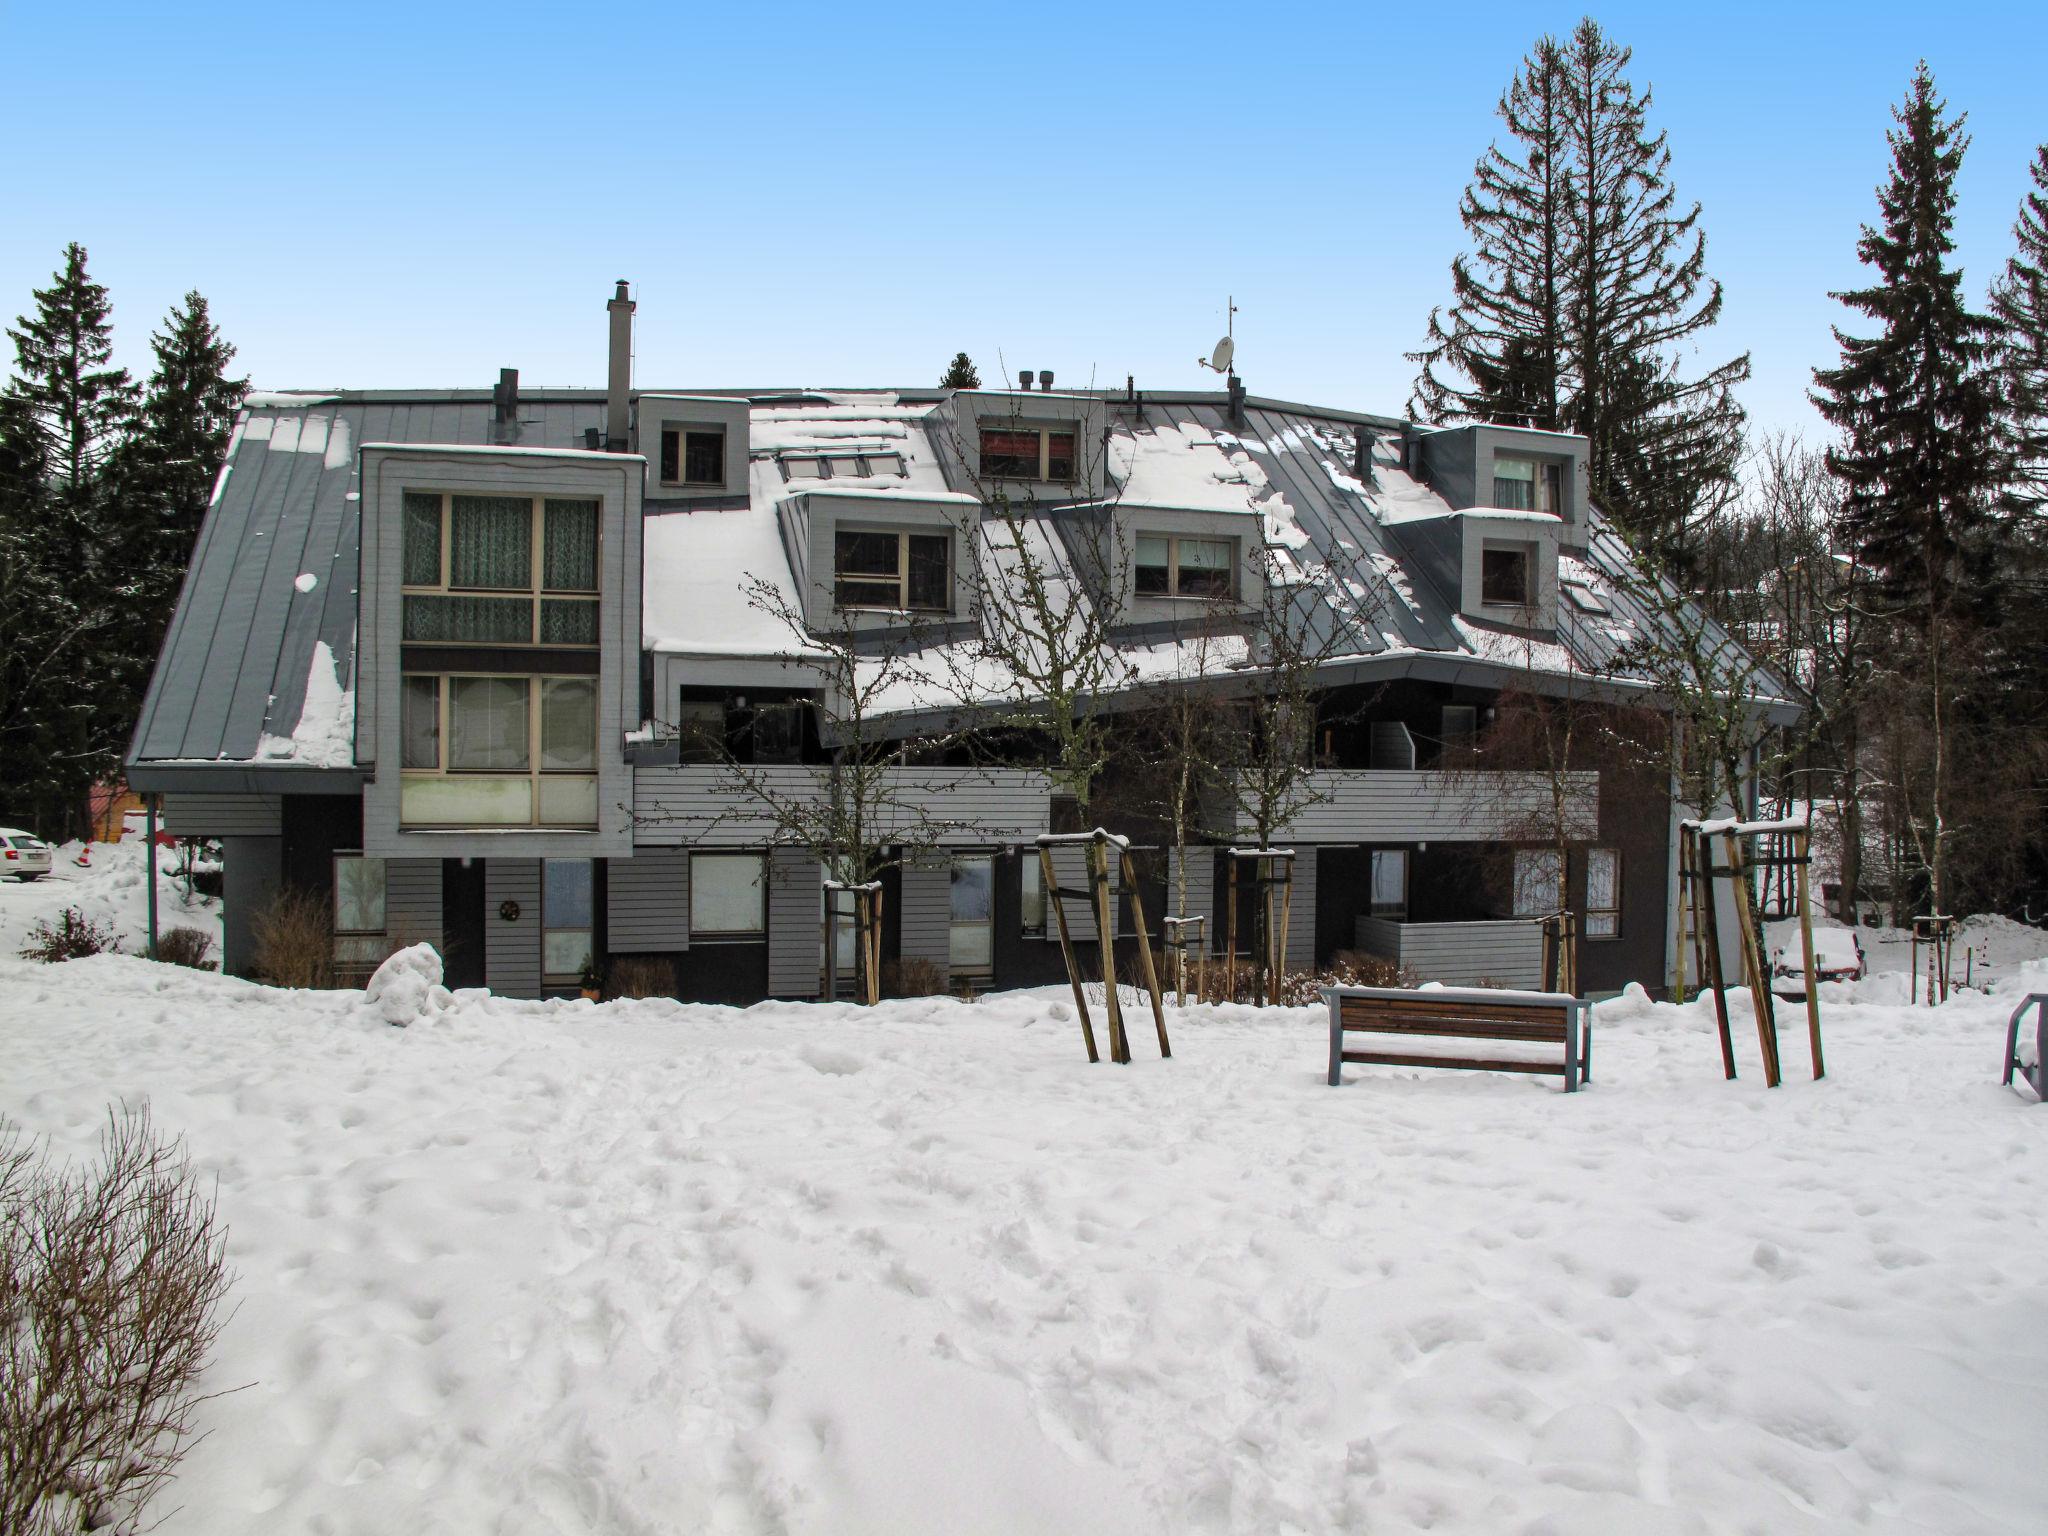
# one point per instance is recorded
(1603, 893)
(489, 736)
(566, 927)
(970, 945)
(1528, 485)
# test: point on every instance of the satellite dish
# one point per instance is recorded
(1220, 361)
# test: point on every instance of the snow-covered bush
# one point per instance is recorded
(74, 936)
(407, 987)
(187, 947)
(111, 1279)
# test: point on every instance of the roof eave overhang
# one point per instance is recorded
(161, 778)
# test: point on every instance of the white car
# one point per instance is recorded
(1837, 956)
(23, 855)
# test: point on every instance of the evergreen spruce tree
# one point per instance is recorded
(1919, 456)
(960, 373)
(1496, 356)
(1915, 402)
(1586, 286)
(2019, 305)
(161, 481)
(69, 415)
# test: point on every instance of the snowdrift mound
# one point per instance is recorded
(407, 987)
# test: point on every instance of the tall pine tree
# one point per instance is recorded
(2019, 305)
(69, 415)
(1918, 456)
(960, 373)
(1585, 288)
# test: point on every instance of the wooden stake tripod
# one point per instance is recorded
(1937, 931)
(1788, 846)
(1101, 901)
(1181, 935)
(865, 913)
(1272, 870)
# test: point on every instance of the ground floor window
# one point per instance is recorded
(1603, 893)
(566, 925)
(728, 895)
(1536, 880)
(971, 944)
(359, 920)
(1390, 882)
(1031, 884)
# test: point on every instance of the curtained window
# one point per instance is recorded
(490, 542)
(475, 569)
(487, 724)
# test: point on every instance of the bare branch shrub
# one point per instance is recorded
(186, 946)
(295, 939)
(912, 977)
(74, 937)
(642, 976)
(111, 1283)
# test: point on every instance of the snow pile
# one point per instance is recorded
(325, 734)
(406, 988)
(656, 1267)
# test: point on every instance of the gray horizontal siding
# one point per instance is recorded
(412, 900)
(796, 923)
(1070, 871)
(1301, 913)
(647, 902)
(1390, 806)
(927, 916)
(703, 805)
(1459, 954)
(1390, 746)
(1201, 881)
(198, 815)
(512, 949)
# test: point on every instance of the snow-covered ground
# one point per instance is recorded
(650, 1268)
(109, 889)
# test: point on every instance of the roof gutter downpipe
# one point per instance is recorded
(619, 376)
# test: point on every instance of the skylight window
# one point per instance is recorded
(1584, 598)
(811, 468)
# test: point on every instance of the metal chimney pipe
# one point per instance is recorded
(619, 377)
(506, 396)
(1024, 380)
(1045, 378)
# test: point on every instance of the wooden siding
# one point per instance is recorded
(222, 815)
(512, 949)
(927, 918)
(1390, 806)
(1459, 954)
(796, 923)
(647, 902)
(1301, 912)
(412, 900)
(698, 805)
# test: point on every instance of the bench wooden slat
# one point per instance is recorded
(1373, 1007)
(1466, 1029)
(1470, 1063)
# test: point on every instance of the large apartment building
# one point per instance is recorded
(510, 670)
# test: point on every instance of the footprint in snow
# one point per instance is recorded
(830, 1060)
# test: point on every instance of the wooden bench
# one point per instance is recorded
(1553, 1019)
(2036, 1076)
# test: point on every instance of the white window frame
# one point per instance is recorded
(1546, 483)
(536, 683)
(1045, 430)
(536, 568)
(903, 537)
(589, 931)
(1603, 922)
(1372, 883)
(1549, 859)
(1030, 880)
(358, 948)
(972, 967)
(1173, 592)
(682, 431)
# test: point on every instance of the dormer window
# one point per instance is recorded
(1167, 565)
(1506, 575)
(1527, 485)
(893, 569)
(1028, 451)
(693, 456)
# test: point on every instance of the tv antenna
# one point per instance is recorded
(1226, 349)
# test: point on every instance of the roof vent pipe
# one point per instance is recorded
(506, 396)
(1361, 456)
(1045, 378)
(1024, 380)
(619, 377)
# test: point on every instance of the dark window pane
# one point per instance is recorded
(1205, 567)
(567, 621)
(420, 723)
(778, 733)
(867, 594)
(490, 542)
(422, 539)
(569, 546)
(863, 554)
(471, 620)
(700, 730)
(1059, 455)
(1152, 566)
(565, 893)
(704, 458)
(930, 578)
(671, 455)
(1013, 455)
(1504, 576)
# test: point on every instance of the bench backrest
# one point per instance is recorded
(1461, 1017)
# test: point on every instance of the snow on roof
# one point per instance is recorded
(325, 734)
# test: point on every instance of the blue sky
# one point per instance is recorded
(377, 195)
